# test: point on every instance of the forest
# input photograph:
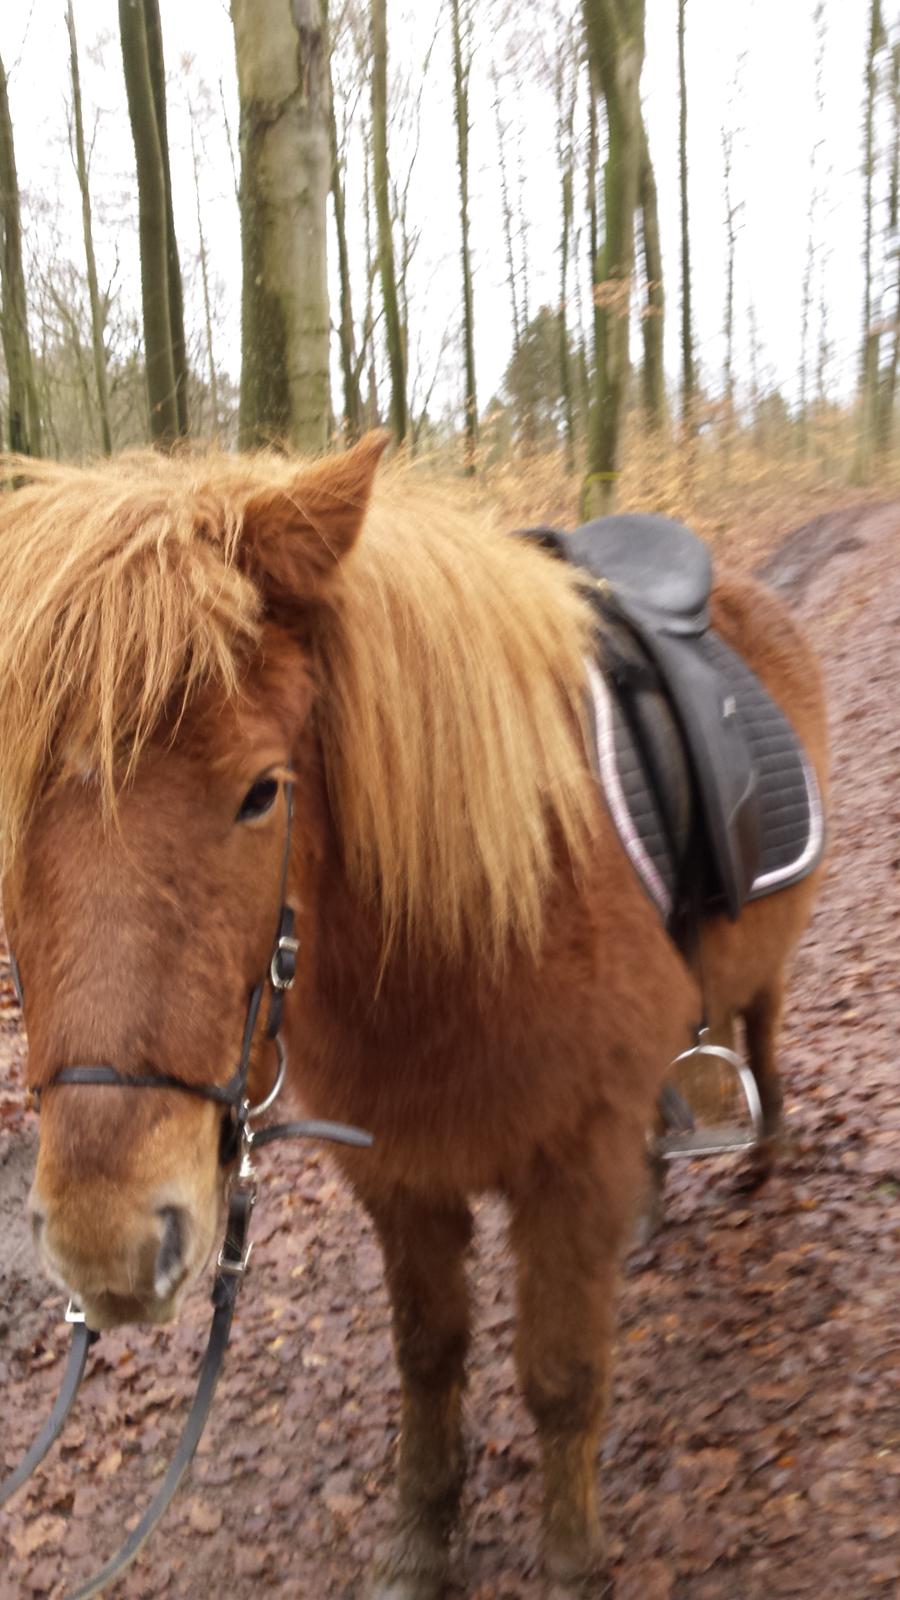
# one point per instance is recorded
(606, 391)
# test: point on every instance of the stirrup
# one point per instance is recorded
(710, 1103)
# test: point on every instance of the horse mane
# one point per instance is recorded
(450, 666)
(452, 686)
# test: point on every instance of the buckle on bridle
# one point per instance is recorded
(283, 966)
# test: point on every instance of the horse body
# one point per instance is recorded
(483, 983)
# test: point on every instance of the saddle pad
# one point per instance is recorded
(792, 819)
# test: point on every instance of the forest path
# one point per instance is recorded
(753, 1447)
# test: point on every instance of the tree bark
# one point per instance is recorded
(688, 378)
(24, 419)
(461, 19)
(349, 370)
(396, 350)
(157, 66)
(152, 224)
(615, 34)
(868, 361)
(653, 316)
(285, 177)
(81, 168)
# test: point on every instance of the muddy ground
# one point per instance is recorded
(753, 1447)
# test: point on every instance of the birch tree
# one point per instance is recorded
(24, 419)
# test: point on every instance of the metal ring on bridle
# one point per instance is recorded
(253, 1112)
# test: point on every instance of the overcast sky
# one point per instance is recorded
(765, 47)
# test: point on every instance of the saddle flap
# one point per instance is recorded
(652, 562)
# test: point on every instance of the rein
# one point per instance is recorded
(238, 1140)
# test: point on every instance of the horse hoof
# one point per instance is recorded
(407, 1569)
(759, 1165)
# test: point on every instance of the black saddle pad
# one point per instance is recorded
(790, 812)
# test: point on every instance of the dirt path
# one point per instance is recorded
(754, 1441)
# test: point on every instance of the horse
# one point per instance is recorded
(224, 674)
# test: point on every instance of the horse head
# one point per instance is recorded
(157, 693)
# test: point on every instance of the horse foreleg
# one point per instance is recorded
(568, 1221)
(761, 1022)
(424, 1247)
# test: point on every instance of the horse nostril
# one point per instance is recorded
(169, 1268)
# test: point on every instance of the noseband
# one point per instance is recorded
(237, 1139)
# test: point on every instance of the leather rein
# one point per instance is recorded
(238, 1139)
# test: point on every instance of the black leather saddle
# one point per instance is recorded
(681, 694)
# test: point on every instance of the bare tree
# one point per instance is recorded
(462, 31)
(396, 350)
(887, 387)
(653, 311)
(153, 224)
(24, 421)
(615, 34)
(688, 378)
(156, 63)
(868, 360)
(349, 369)
(285, 177)
(81, 169)
(508, 237)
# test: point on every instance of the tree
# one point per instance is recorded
(81, 168)
(653, 313)
(887, 386)
(565, 87)
(396, 345)
(153, 223)
(688, 378)
(615, 36)
(157, 67)
(868, 360)
(24, 421)
(462, 27)
(349, 368)
(286, 169)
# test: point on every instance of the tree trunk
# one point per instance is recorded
(396, 351)
(285, 177)
(507, 215)
(566, 89)
(81, 168)
(615, 34)
(653, 316)
(204, 279)
(349, 371)
(688, 378)
(462, 67)
(152, 224)
(868, 361)
(176, 296)
(24, 419)
(887, 387)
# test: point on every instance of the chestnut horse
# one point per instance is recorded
(483, 982)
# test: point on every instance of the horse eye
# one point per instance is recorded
(258, 800)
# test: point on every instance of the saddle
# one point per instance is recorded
(704, 776)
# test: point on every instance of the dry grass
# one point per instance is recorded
(742, 495)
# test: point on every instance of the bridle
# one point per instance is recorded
(238, 1139)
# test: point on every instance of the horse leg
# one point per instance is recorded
(568, 1220)
(424, 1245)
(761, 1022)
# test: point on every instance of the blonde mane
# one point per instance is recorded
(450, 665)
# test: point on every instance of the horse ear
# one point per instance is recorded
(296, 535)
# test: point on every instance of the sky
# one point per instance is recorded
(750, 69)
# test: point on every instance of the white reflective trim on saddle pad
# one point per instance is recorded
(608, 769)
(815, 843)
